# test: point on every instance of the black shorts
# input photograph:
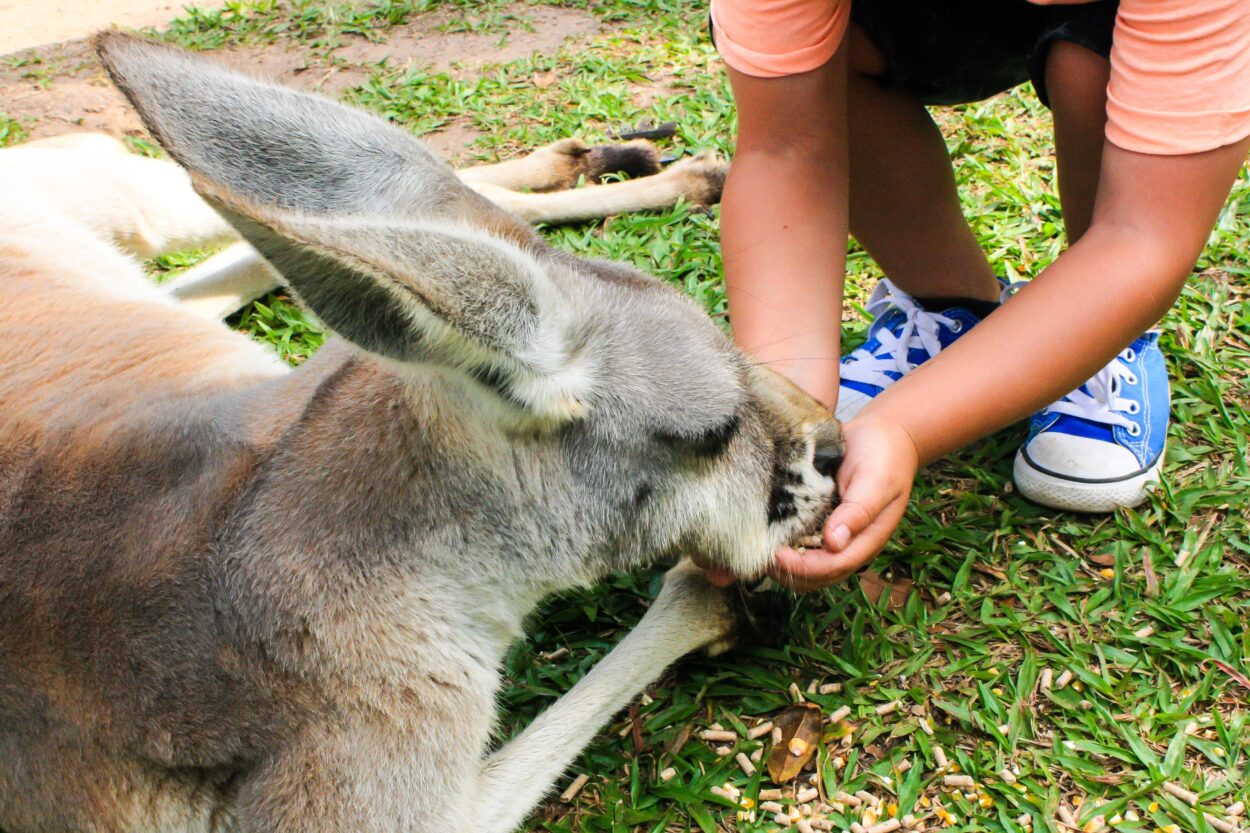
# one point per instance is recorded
(956, 51)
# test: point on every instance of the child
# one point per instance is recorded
(1151, 108)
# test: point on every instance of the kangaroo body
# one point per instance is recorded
(235, 596)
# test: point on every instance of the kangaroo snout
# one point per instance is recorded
(828, 448)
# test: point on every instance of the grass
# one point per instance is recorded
(12, 131)
(1002, 590)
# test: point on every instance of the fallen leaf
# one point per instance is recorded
(635, 728)
(990, 571)
(1232, 672)
(1152, 578)
(676, 745)
(874, 586)
(800, 738)
(542, 80)
(1105, 559)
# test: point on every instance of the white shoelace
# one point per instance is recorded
(1103, 403)
(920, 331)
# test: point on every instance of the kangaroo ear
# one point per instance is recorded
(373, 232)
(432, 291)
(277, 146)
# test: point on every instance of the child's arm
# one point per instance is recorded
(1151, 220)
(784, 223)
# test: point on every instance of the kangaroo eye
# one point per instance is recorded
(707, 444)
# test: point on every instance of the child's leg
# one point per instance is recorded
(1076, 79)
(904, 204)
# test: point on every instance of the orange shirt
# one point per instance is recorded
(1180, 69)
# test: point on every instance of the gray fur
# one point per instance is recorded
(281, 602)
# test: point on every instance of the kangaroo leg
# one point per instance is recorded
(144, 206)
(225, 282)
(698, 179)
(562, 164)
(220, 285)
(689, 614)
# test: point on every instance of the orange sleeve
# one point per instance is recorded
(772, 38)
(1180, 75)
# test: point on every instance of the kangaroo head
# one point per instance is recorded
(667, 436)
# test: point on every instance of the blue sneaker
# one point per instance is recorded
(903, 336)
(1098, 447)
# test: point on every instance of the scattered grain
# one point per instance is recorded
(760, 730)
(573, 789)
(1180, 792)
(718, 735)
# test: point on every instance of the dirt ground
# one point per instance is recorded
(29, 23)
(59, 88)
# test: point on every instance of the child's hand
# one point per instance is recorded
(874, 481)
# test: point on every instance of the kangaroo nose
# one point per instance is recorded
(827, 455)
(827, 459)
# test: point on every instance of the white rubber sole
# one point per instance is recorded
(1083, 496)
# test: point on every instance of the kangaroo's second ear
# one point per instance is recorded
(445, 293)
(272, 144)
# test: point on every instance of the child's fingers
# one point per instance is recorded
(810, 569)
(865, 545)
(863, 500)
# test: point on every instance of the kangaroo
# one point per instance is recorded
(164, 209)
(237, 596)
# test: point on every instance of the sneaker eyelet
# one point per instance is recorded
(957, 326)
(1134, 407)
(1129, 354)
(1130, 379)
(1134, 430)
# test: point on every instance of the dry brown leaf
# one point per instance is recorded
(990, 571)
(543, 80)
(800, 738)
(874, 586)
(1104, 559)
(1152, 578)
(679, 742)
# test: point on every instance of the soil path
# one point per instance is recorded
(25, 24)
(59, 88)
